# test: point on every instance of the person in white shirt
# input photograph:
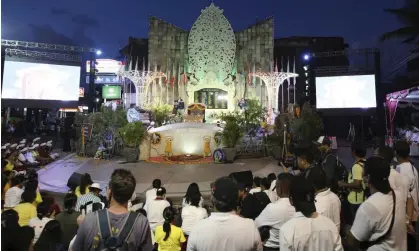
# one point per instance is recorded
(265, 185)
(151, 194)
(224, 229)
(155, 208)
(193, 190)
(277, 213)
(380, 222)
(256, 185)
(307, 230)
(192, 213)
(410, 175)
(272, 178)
(13, 194)
(29, 157)
(327, 203)
(41, 220)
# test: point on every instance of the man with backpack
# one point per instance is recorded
(115, 228)
(355, 183)
(332, 166)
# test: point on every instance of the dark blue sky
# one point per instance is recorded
(108, 23)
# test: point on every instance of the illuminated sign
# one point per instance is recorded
(111, 92)
(81, 92)
(105, 66)
(105, 79)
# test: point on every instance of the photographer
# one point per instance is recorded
(306, 159)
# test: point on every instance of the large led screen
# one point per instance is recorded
(357, 91)
(36, 81)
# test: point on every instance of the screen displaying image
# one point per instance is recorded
(24, 80)
(356, 91)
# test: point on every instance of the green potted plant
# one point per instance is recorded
(230, 136)
(132, 134)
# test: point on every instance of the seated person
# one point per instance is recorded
(49, 149)
(37, 157)
(23, 159)
(28, 155)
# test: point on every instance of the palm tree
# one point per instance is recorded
(409, 16)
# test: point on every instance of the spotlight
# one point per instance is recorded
(98, 52)
(305, 67)
(306, 57)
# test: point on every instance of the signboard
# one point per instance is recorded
(105, 79)
(111, 92)
(81, 92)
(87, 130)
(105, 66)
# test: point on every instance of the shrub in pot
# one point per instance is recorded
(132, 134)
(230, 136)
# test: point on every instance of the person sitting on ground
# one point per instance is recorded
(151, 194)
(256, 185)
(121, 187)
(10, 161)
(154, 208)
(231, 232)
(54, 208)
(169, 237)
(92, 196)
(23, 159)
(13, 194)
(327, 203)
(49, 150)
(32, 185)
(29, 157)
(39, 158)
(192, 213)
(68, 219)
(380, 222)
(307, 230)
(6, 183)
(265, 186)
(277, 213)
(26, 209)
(193, 190)
(85, 182)
(272, 178)
(38, 223)
(50, 238)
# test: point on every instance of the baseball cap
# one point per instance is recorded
(323, 140)
(225, 190)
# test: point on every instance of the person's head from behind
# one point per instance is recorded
(265, 184)
(28, 196)
(318, 178)
(9, 219)
(387, 153)
(169, 216)
(51, 234)
(377, 171)
(256, 181)
(24, 240)
(305, 157)
(121, 187)
(302, 196)
(70, 201)
(32, 175)
(271, 177)
(194, 200)
(161, 192)
(156, 183)
(283, 184)
(42, 210)
(95, 189)
(402, 149)
(31, 185)
(17, 181)
(225, 193)
(359, 151)
(193, 190)
(85, 181)
(324, 144)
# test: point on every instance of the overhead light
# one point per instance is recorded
(98, 52)
(306, 57)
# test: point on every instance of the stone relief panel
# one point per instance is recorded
(211, 44)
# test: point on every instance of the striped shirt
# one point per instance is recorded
(84, 199)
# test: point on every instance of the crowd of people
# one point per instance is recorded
(314, 205)
(23, 154)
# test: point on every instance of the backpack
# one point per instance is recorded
(340, 172)
(109, 241)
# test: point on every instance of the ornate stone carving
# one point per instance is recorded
(211, 44)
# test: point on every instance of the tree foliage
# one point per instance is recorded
(160, 112)
(133, 134)
(409, 17)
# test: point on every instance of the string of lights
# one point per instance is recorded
(45, 46)
(43, 55)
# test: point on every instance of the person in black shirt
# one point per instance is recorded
(306, 158)
(249, 205)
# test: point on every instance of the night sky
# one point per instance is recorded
(107, 24)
